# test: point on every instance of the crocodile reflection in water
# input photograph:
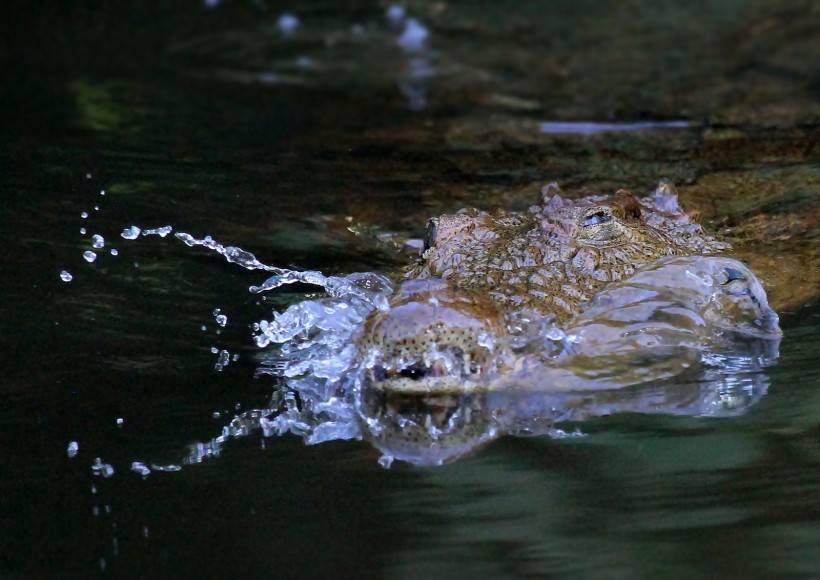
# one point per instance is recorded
(639, 346)
(511, 322)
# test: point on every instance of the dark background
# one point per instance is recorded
(213, 121)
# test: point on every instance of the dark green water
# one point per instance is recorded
(215, 122)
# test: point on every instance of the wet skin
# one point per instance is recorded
(449, 324)
(556, 256)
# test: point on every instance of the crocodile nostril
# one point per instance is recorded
(415, 372)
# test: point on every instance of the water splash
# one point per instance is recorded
(140, 468)
(676, 316)
(131, 233)
(309, 347)
(368, 287)
(222, 360)
(99, 468)
(161, 232)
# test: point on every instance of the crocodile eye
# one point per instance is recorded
(430, 234)
(596, 217)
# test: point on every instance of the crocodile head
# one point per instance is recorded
(555, 256)
(450, 326)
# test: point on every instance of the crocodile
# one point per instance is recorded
(490, 286)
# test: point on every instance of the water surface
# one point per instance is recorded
(310, 148)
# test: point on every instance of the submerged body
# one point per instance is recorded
(510, 323)
(591, 286)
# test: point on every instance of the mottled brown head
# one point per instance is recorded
(555, 256)
(433, 339)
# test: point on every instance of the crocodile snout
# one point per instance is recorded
(433, 339)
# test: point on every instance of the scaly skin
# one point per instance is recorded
(445, 370)
(448, 326)
(425, 317)
(555, 257)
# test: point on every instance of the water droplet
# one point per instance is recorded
(222, 320)
(84, 215)
(161, 232)
(100, 468)
(386, 461)
(82, 231)
(555, 334)
(287, 23)
(114, 251)
(223, 360)
(395, 13)
(414, 36)
(66, 276)
(97, 241)
(167, 467)
(73, 449)
(131, 233)
(89, 256)
(141, 468)
(102, 192)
